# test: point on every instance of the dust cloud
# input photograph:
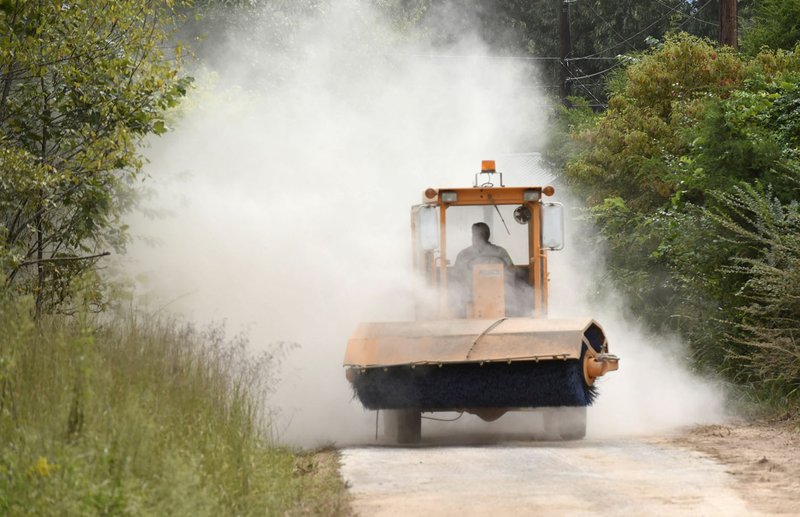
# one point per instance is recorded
(653, 391)
(288, 181)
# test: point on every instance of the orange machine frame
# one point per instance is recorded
(490, 196)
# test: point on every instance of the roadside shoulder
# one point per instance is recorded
(763, 457)
(324, 492)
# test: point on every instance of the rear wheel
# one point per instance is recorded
(402, 425)
(564, 423)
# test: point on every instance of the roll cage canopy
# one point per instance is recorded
(436, 263)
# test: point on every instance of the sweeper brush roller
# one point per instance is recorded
(519, 384)
(505, 363)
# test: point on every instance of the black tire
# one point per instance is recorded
(402, 425)
(564, 423)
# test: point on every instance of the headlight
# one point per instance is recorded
(449, 197)
(530, 195)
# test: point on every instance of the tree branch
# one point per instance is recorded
(64, 259)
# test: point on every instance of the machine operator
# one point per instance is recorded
(481, 249)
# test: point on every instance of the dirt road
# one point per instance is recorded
(677, 475)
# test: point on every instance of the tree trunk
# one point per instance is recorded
(727, 23)
(566, 49)
(40, 272)
(39, 257)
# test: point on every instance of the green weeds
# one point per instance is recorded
(142, 415)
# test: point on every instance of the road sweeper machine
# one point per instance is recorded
(481, 342)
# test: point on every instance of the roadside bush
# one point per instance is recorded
(769, 323)
(774, 25)
(691, 177)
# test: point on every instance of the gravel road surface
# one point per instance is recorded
(588, 477)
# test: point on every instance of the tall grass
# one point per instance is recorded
(768, 336)
(136, 415)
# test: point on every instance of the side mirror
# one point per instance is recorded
(428, 227)
(553, 226)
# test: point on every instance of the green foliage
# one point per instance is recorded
(604, 30)
(137, 415)
(774, 24)
(769, 324)
(692, 176)
(630, 244)
(680, 70)
(563, 122)
(632, 150)
(623, 157)
(688, 118)
(751, 135)
(81, 83)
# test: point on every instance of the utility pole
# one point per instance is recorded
(566, 48)
(727, 23)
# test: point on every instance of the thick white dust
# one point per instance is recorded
(288, 181)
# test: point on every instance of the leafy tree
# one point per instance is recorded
(774, 24)
(81, 83)
(631, 151)
(752, 135)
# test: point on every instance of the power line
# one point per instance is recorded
(591, 58)
(476, 56)
(596, 55)
(457, 56)
(658, 20)
(687, 15)
(631, 37)
(601, 72)
(698, 12)
(577, 80)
